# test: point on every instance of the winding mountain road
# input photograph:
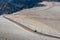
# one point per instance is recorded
(11, 31)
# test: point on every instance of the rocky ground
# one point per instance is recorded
(38, 23)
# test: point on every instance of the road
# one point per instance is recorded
(11, 31)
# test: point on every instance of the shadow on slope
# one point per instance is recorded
(11, 6)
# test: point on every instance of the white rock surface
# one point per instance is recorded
(11, 31)
(43, 19)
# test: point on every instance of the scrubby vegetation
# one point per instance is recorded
(10, 6)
